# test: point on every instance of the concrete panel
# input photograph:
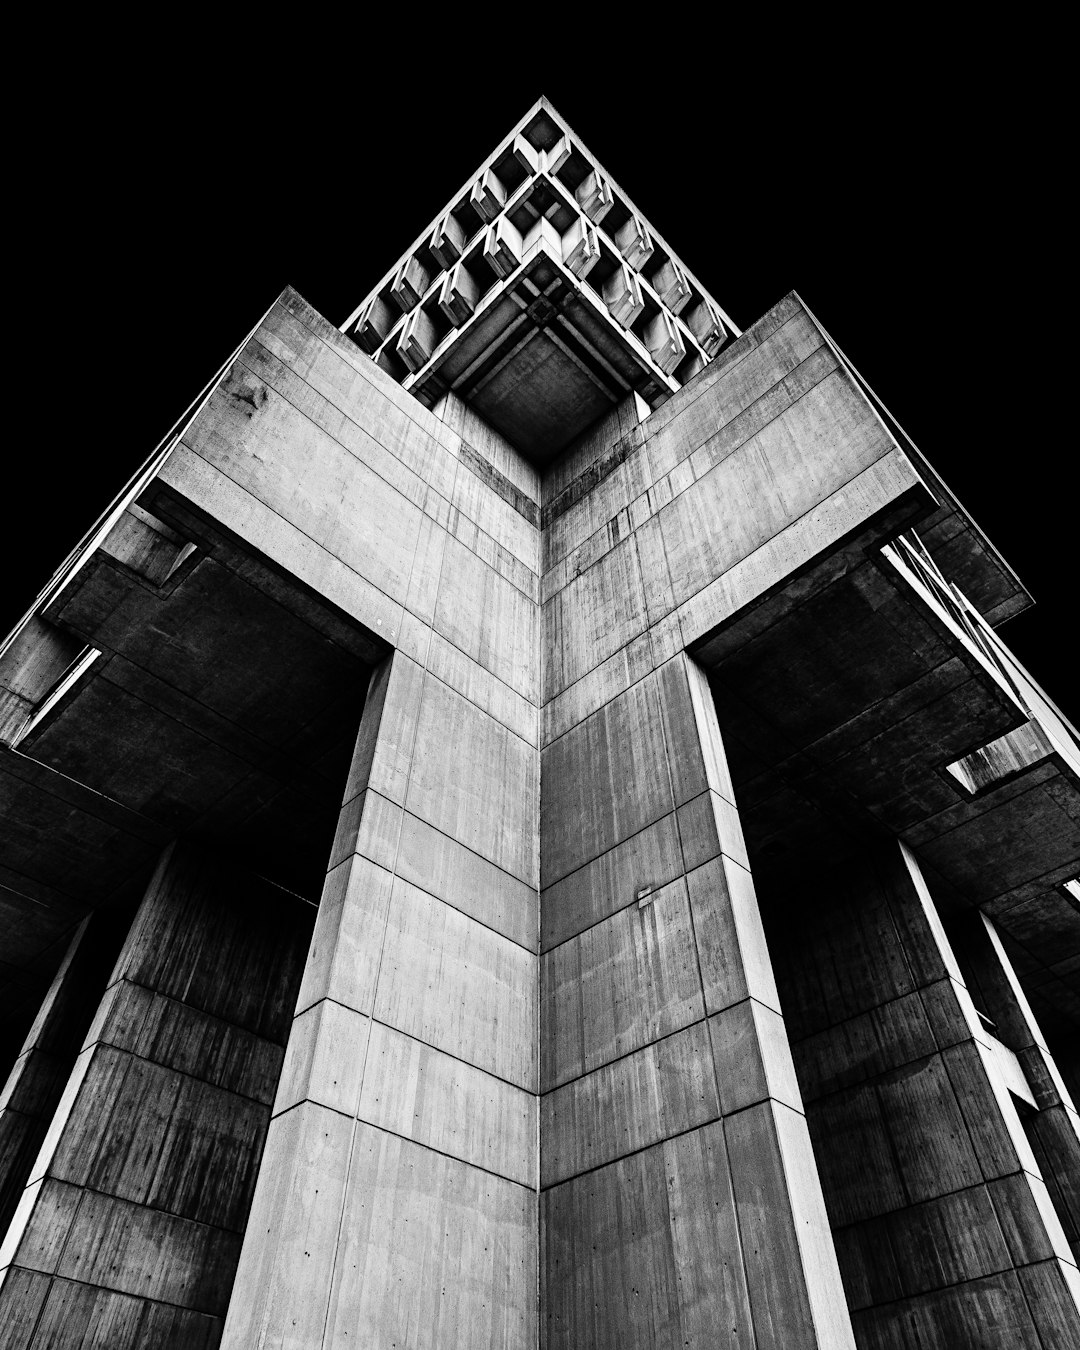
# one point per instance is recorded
(646, 861)
(446, 980)
(465, 676)
(448, 870)
(612, 777)
(343, 959)
(598, 686)
(655, 1093)
(645, 1253)
(41, 1310)
(592, 617)
(259, 440)
(752, 1057)
(283, 1282)
(324, 1062)
(145, 1178)
(624, 982)
(488, 619)
(987, 1312)
(720, 397)
(734, 957)
(814, 447)
(420, 1093)
(461, 1244)
(498, 518)
(376, 406)
(888, 485)
(795, 1293)
(481, 788)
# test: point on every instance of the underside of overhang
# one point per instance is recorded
(844, 699)
(223, 704)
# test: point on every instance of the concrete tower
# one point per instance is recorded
(520, 830)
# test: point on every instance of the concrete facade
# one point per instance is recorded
(608, 887)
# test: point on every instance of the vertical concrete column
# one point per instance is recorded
(397, 1199)
(680, 1202)
(944, 1229)
(36, 1081)
(128, 1232)
(1053, 1128)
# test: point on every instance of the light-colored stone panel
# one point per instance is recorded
(283, 1279)
(425, 1095)
(624, 982)
(306, 476)
(435, 1254)
(469, 678)
(488, 619)
(657, 1092)
(343, 959)
(297, 553)
(593, 617)
(324, 1060)
(447, 980)
(451, 872)
(598, 686)
(797, 461)
(476, 782)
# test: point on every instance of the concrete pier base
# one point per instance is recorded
(129, 1228)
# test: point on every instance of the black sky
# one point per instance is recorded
(891, 184)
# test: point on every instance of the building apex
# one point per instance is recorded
(541, 296)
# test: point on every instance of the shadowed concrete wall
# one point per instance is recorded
(397, 1203)
(680, 1201)
(129, 1230)
(943, 1225)
(398, 1199)
(36, 1082)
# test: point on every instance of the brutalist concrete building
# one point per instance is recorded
(520, 830)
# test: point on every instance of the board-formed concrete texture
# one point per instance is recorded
(520, 830)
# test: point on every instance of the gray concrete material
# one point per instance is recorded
(644, 862)
(144, 1180)
(625, 789)
(655, 1093)
(683, 1279)
(36, 1082)
(743, 515)
(626, 981)
(452, 983)
(414, 1041)
(491, 810)
(930, 1181)
(628, 1057)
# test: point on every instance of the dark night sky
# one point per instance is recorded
(900, 195)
